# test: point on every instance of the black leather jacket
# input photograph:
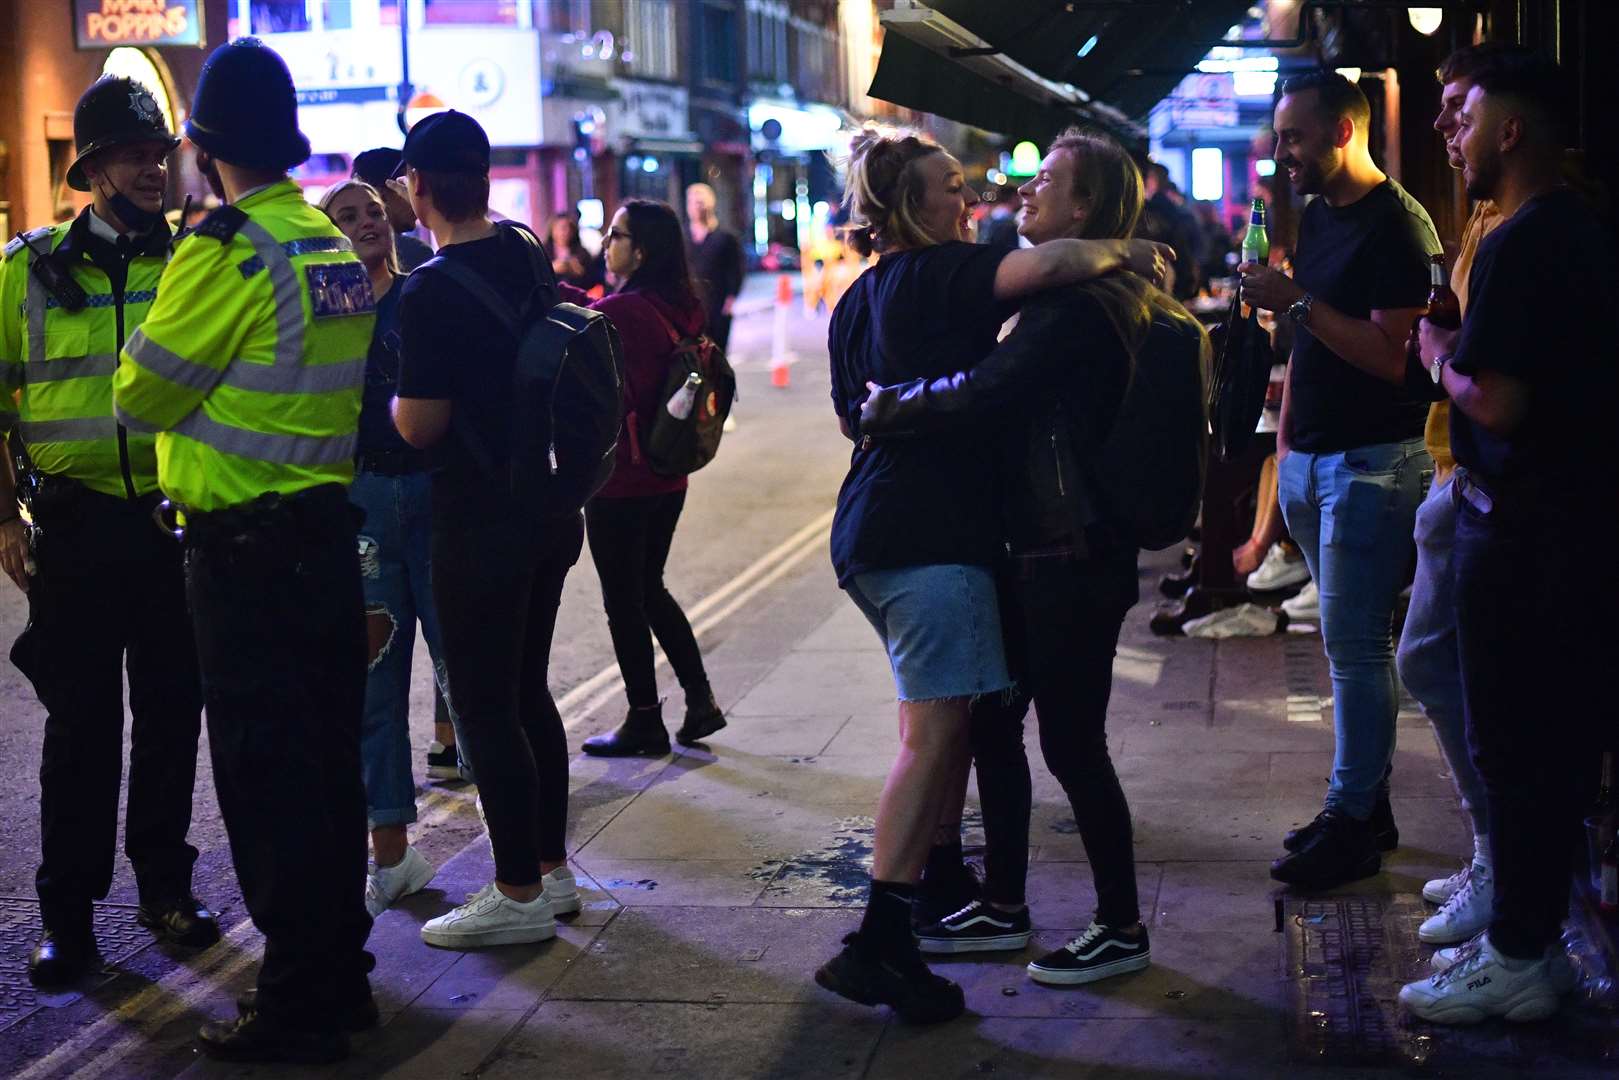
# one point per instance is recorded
(1047, 396)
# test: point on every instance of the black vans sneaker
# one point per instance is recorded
(938, 896)
(903, 982)
(978, 927)
(1340, 849)
(1097, 953)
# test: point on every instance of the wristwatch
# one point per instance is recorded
(1437, 368)
(1299, 310)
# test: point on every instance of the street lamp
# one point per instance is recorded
(1425, 20)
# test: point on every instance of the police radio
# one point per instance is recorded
(69, 294)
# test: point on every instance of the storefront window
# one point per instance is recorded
(719, 44)
(280, 16)
(471, 12)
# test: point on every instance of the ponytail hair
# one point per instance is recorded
(885, 192)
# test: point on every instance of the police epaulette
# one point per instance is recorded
(222, 224)
(34, 236)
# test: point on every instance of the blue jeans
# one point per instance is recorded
(394, 568)
(1351, 513)
(1428, 661)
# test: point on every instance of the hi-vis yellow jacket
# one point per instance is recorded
(56, 366)
(250, 365)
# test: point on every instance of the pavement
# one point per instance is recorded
(717, 879)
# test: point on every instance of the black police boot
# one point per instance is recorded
(257, 1037)
(186, 921)
(354, 1017)
(642, 734)
(60, 960)
(703, 718)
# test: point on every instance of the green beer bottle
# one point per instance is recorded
(1256, 242)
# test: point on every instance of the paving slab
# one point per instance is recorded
(679, 882)
(605, 1040)
(844, 682)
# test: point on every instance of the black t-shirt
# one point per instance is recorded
(928, 500)
(377, 431)
(454, 348)
(1371, 255)
(1540, 306)
(717, 266)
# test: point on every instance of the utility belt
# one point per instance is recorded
(392, 462)
(52, 495)
(316, 511)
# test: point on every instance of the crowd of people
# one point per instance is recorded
(287, 390)
(317, 405)
(987, 590)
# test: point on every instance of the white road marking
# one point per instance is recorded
(183, 990)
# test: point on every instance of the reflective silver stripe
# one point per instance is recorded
(297, 379)
(36, 316)
(60, 368)
(308, 245)
(284, 287)
(84, 429)
(304, 450)
(168, 365)
(134, 423)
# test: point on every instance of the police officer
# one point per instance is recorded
(103, 585)
(249, 369)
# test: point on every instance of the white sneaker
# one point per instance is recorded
(1306, 606)
(1469, 910)
(491, 917)
(1478, 985)
(1278, 571)
(561, 891)
(1558, 965)
(385, 885)
(1438, 890)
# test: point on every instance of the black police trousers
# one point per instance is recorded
(1061, 619)
(110, 591)
(279, 613)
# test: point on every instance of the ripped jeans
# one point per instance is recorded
(1351, 513)
(394, 567)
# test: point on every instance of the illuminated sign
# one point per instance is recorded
(105, 24)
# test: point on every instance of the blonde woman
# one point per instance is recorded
(391, 486)
(917, 530)
(1052, 391)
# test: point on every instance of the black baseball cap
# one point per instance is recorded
(377, 166)
(449, 141)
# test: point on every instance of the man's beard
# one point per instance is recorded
(210, 173)
(1483, 180)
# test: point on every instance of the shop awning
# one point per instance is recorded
(1032, 67)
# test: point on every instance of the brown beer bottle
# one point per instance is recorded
(1444, 309)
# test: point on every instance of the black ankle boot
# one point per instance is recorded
(703, 718)
(642, 734)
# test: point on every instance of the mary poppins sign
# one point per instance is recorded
(106, 24)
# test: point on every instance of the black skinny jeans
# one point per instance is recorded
(280, 627)
(110, 591)
(1534, 657)
(497, 581)
(629, 542)
(1061, 619)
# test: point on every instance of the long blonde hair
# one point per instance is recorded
(885, 192)
(325, 206)
(1106, 178)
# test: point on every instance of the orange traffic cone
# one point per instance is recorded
(779, 358)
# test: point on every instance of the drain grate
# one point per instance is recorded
(117, 932)
(1347, 958)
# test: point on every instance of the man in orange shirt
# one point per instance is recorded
(1427, 658)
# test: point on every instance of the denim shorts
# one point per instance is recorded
(941, 627)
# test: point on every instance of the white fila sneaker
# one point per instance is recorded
(1480, 984)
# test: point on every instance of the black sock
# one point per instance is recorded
(944, 862)
(886, 927)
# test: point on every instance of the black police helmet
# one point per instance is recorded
(246, 110)
(115, 110)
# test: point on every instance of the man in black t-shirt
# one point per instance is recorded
(497, 572)
(716, 262)
(1532, 378)
(1349, 449)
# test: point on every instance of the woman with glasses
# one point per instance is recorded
(630, 523)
